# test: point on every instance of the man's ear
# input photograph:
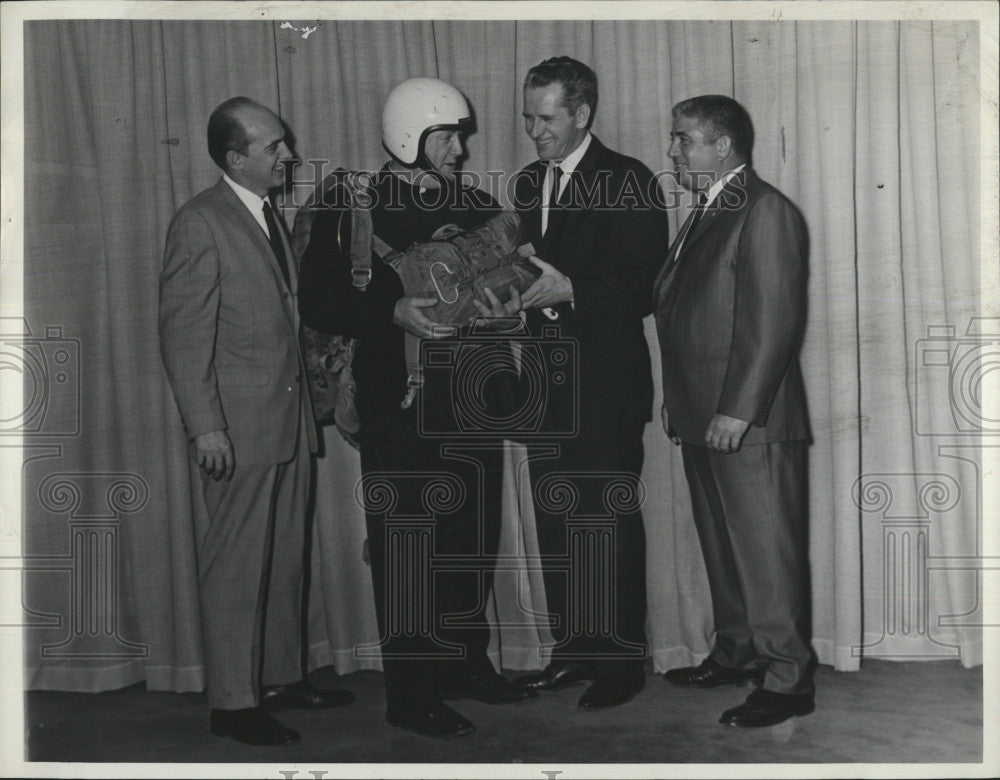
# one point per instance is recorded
(723, 147)
(582, 116)
(235, 160)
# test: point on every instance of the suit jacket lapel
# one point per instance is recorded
(706, 219)
(730, 194)
(250, 225)
(291, 260)
(530, 192)
(730, 198)
(562, 218)
(669, 265)
(557, 217)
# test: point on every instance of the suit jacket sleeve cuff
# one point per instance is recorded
(204, 422)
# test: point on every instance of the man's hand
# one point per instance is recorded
(550, 288)
(664, 420)
(499, 316)
(410, 317)
(725, 433)
(213, 452)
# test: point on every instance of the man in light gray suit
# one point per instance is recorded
(730, 305)
(229, 338)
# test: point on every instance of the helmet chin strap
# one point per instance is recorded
(417, 173)
(428, 171)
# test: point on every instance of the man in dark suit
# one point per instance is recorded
(229, 327)
(598, 226)
(730, 313)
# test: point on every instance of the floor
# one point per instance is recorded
(887, 712)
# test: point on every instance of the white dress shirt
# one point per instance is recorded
(715, 189)
(253, 202)
(568, 165)
(713, 193)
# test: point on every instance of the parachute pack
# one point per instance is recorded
(455, 267)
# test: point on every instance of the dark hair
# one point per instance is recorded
(724, 116)
(226, 131)
(579, 82)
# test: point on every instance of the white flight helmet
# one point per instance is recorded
(416, 107)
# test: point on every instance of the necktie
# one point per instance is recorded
(556, 175)
(276, 246)
(556, 178)
(692, 223)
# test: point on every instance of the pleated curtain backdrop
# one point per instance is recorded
(872, 128)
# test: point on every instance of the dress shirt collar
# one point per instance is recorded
(717, 187)
(570, 161)
(253, 202)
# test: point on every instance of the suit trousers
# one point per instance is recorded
(591, 537)
(751, 512)
(433, 510)
(250, 565)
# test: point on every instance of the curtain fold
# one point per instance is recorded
(871, 128)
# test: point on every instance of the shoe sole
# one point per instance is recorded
(562, 686)
(224, 733)
(610, 706)
(770, 722)
(412, 730)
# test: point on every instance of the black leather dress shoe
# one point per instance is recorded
(436, 720)
(304, 697)
(710, 674)
(767, 708)
(610, 690)
(557, 675)
(488, 687)
(252, 726)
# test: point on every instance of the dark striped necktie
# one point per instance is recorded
(275, 237)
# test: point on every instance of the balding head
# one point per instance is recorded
(247, 141)
(227, 128)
